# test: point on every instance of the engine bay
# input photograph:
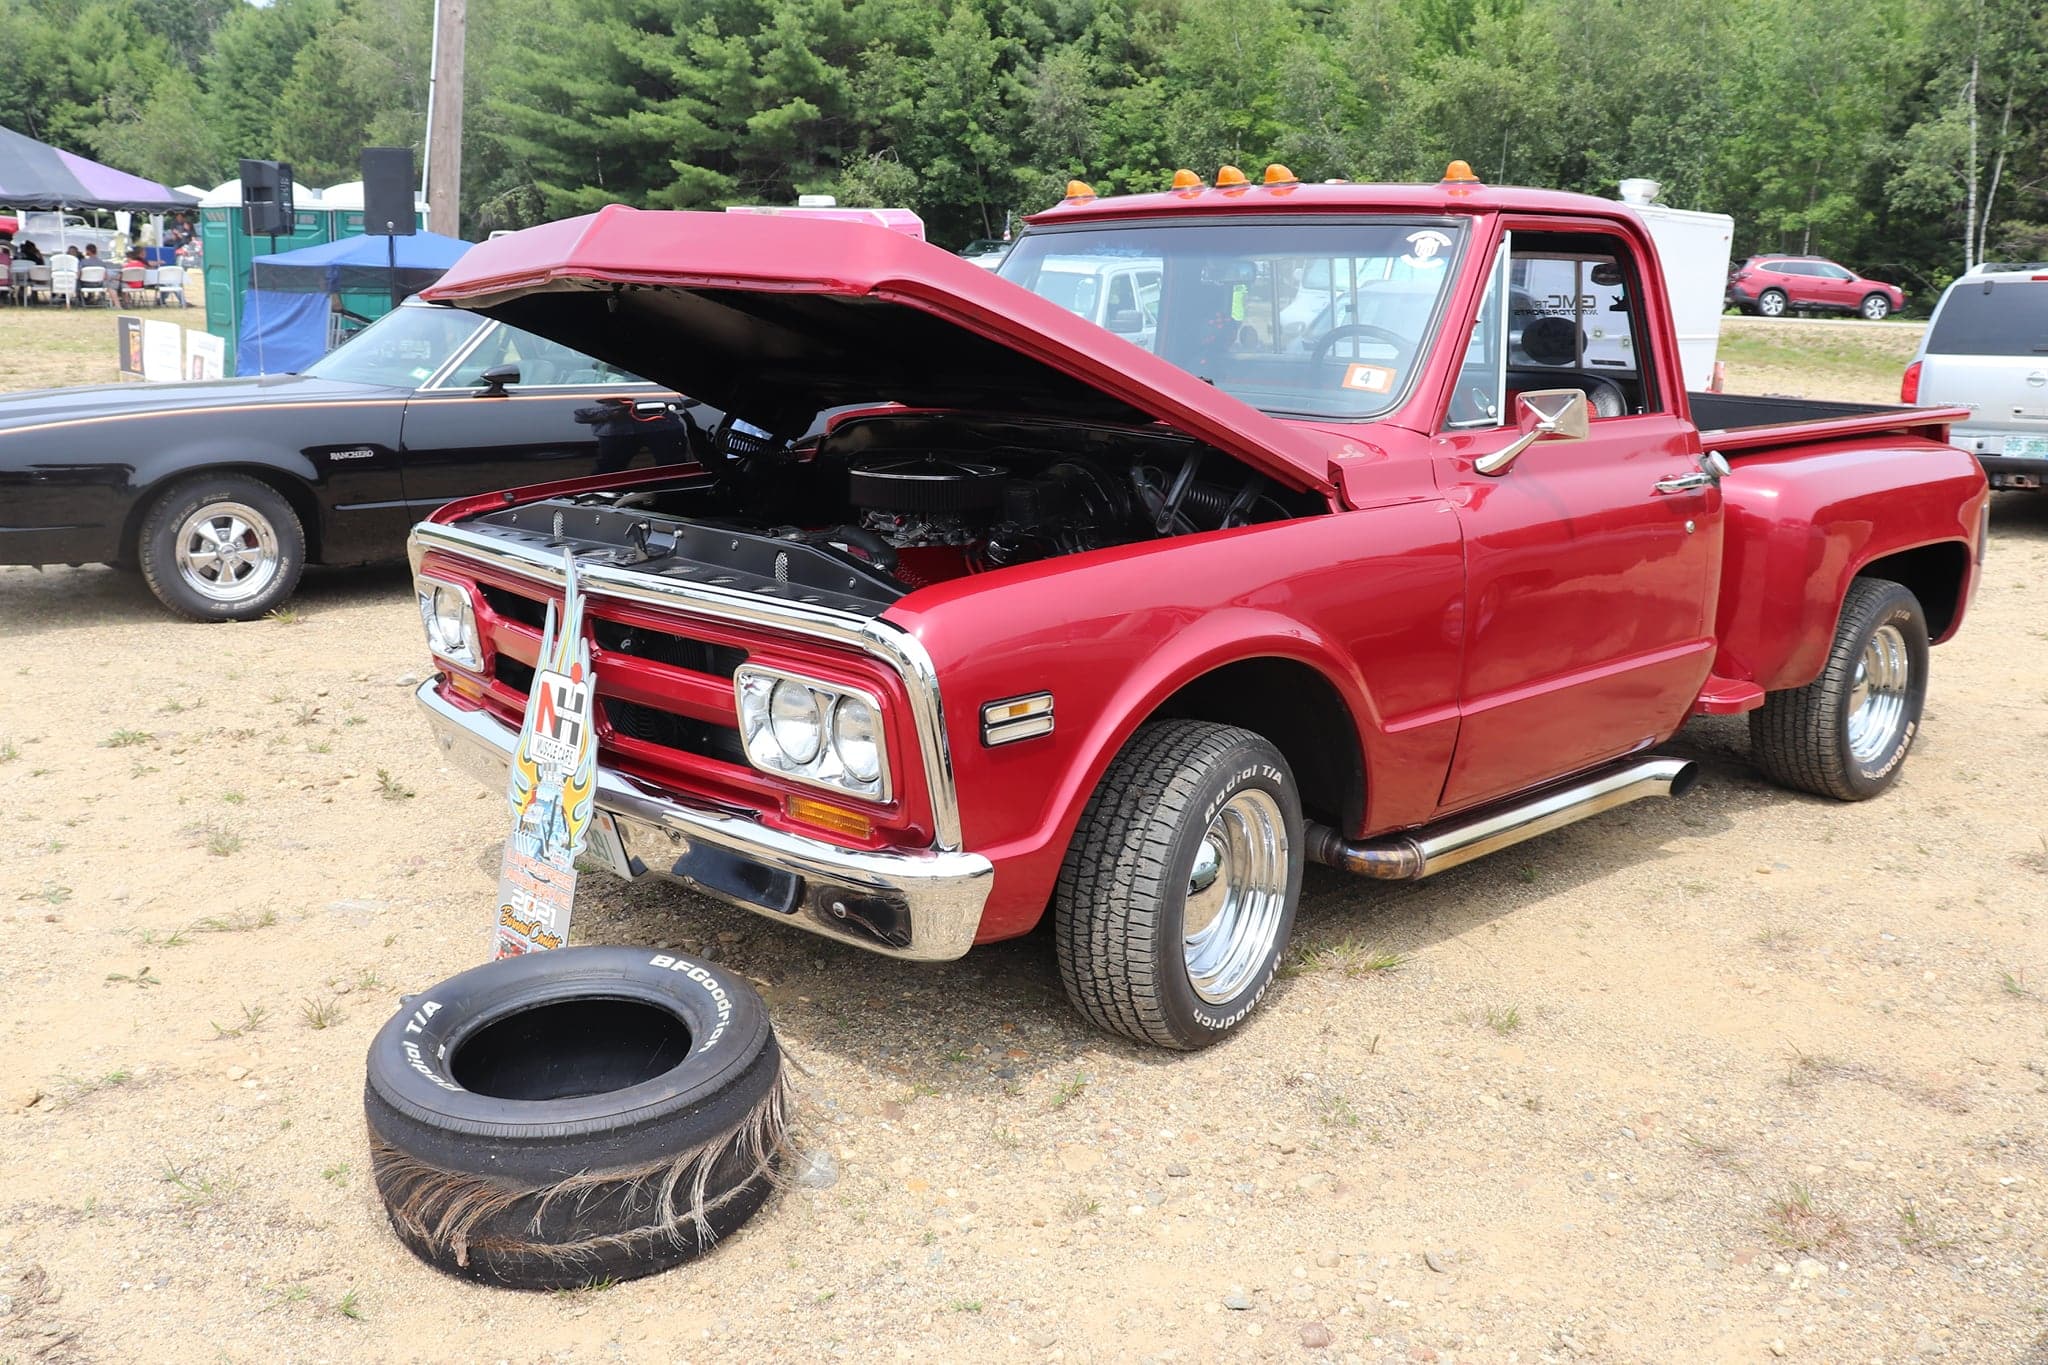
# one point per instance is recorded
(878, 506)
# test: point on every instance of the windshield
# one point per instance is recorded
(1298, 319)
(400, 350)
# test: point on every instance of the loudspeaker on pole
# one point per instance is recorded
(387, 192)
(267, 197)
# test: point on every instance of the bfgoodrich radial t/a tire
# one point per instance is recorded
(1846, 734)
(572, 1116)
(1177, 896)
(221, 547)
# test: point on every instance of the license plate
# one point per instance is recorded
(606, 848)
(2026, 447)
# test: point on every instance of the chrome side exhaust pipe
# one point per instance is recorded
(1424, 852)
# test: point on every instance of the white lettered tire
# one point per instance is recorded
(1177, 896)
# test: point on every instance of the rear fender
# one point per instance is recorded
(1804, 521)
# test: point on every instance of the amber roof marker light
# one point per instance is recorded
(1185, 179)
(1230, 178)
(1079, 190)
(1459, 173)
(1277, 174)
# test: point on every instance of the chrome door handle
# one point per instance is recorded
(1713, 467)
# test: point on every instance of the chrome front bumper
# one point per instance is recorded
(925, 906)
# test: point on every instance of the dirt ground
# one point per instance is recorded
(1740, 1077)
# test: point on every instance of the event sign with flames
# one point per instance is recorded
(552, 787)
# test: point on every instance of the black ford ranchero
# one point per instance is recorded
(220, 492)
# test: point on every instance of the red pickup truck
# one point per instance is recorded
(1122, 584)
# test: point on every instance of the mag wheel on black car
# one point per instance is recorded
(586, 1114)
(221, 547)
(1177, 896)
(1771, 303)
(1847, 732)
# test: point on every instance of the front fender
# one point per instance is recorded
(1371, 601)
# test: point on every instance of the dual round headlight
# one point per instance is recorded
(832, 737)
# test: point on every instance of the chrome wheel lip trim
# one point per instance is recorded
(1231, 921)
(227, 552)
(1878, 694)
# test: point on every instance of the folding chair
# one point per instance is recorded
(170, 282)
(133, 279)
(64, 279)
(92, 285)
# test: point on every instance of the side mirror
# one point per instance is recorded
(1541, 414)
(497, 379)
(1126, 321)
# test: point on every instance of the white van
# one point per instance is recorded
(1986, 349)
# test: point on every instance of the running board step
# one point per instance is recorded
(1424, 852)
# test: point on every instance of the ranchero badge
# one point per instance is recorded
(552, 787)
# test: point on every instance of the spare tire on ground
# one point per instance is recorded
(573, 1116)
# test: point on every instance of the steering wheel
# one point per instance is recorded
(1321, 355)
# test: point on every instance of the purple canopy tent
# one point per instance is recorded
(35, 175)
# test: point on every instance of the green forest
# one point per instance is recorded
(1908, 138)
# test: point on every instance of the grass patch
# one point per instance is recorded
(337, 1174)
(287, 616)
(320, 1014)
(192, 1189)
(391, 789)
(350, 1307)
(1067, 1093)
(236, 924)
(1504, 1021)
(9, 751)
(177, 938)
(2015, 985)
(305, 714)
(253, 1018)
(1796, 1224)
(127, 739)
(1349, 957)
(143, 978)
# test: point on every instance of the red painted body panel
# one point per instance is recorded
(1370, 600)
(1484, 633)
(1804, 519)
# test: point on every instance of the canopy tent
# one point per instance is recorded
(285, 312)
(359, 263)
(35, 175)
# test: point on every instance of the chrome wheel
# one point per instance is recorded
(1876, 309)
(1771, 304)
(227, 552)
(1237, 897)
(1878, 696)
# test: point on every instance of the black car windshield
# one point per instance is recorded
(1298, 319)
(400, 350)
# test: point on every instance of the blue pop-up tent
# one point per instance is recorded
(284, 314)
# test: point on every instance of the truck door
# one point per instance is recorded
(1591, 564)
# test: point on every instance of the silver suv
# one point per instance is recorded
(1986, 349)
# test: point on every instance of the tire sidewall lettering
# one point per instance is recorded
(1242, 776)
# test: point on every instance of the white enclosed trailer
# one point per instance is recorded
(1694, 250)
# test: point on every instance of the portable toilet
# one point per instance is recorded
(227, 249)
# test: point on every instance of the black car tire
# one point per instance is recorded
(273, 547)
(1808, 739)
(1131, 885)
(575, 1116)
(1876, 307)
(1772, 303)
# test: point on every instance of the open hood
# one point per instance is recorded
(776, 319)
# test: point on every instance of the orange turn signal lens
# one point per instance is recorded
(466, 686)
(1460, 172)
(1186, 180)
(824, 815)
(1277, 174)
(1229, 177)
(1079, 189)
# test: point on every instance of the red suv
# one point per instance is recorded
(1772, 286)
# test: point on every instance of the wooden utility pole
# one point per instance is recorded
(444, 119)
